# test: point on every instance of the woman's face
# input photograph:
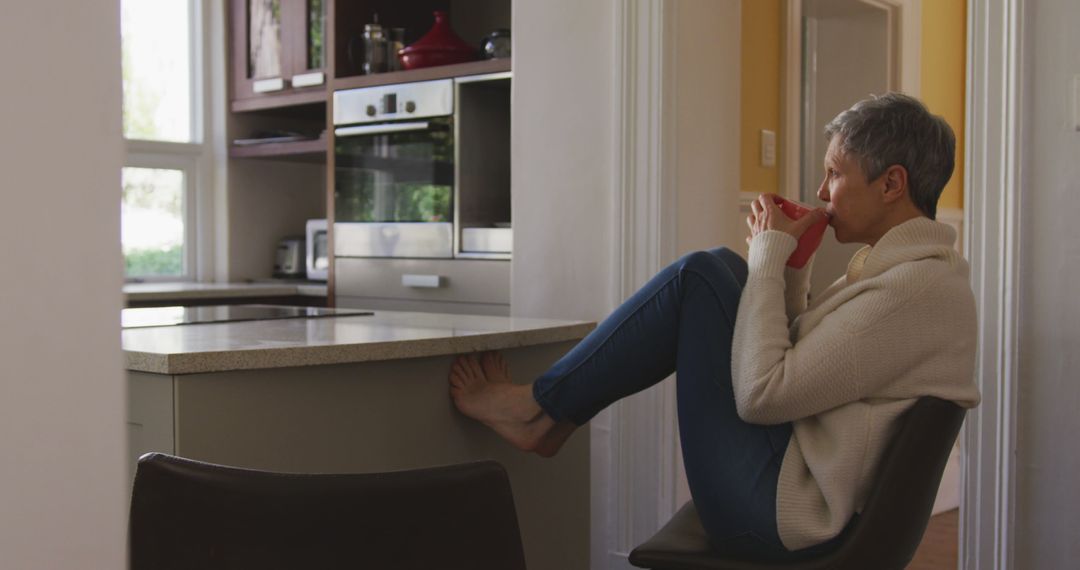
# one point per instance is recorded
(855, 204)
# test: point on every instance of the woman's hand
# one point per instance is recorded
(766, 215)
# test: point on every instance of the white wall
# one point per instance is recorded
(1048, 458)
(707, 134)
(706, 112)
(62, 478)
(561, 152)
(564, 195)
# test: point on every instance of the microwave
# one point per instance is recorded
(318, 252)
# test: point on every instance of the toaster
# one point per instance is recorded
(290, 258)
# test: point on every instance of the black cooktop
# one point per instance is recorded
(171, 316)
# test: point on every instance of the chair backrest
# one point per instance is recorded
(189, 514)
(898, 507)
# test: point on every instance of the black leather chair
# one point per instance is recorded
(191, 515)
(884, 536)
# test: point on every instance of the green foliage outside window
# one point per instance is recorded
(154, 262)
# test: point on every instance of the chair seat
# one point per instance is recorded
(887, 531)
(682, 545)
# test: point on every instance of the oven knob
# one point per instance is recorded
(410, 106)
(370, 110)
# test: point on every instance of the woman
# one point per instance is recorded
(784, 408)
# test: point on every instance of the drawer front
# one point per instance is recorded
(379, 304)
(451, 280)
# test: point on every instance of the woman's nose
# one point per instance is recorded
(823, 192)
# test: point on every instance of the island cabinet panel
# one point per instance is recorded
(382, 416)
(150, 415)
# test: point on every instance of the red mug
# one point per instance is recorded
(811, 238)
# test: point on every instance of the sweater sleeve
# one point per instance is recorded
(773, 379)
(796, 288)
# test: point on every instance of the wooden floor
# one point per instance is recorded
(938, 549)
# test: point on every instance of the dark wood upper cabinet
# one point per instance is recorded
(278, 50)
(287, 53)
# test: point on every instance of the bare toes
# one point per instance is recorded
(495, 367)
(462, 375)
(474, 366)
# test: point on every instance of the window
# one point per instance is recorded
(163, 125)
(152, 227)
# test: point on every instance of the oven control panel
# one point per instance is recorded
(393, 102)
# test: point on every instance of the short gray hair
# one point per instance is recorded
(898, 129)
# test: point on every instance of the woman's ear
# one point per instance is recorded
(896, 183)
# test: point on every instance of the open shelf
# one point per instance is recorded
(313, 150)
(424, 74)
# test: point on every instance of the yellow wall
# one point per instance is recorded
(942, 79)
(762, 22)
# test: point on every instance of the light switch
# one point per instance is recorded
(768, 148)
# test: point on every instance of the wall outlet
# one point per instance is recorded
(768, 148)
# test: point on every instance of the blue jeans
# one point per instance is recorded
(683, 319)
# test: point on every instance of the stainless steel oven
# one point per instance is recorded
(394, 170)
(421, 169)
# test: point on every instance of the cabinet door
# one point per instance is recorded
(277, 46)
(306, 37)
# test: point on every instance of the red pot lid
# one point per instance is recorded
(440, 37)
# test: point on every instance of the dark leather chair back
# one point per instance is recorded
(886, 533)
(191, 515)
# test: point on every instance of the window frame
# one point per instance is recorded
(194, 159)
(141, 154)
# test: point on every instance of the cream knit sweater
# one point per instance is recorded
(900, 324)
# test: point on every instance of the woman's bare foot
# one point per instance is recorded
(481, 389)
(554, 439)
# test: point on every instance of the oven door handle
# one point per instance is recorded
(381, 129)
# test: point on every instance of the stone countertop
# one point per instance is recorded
(188, 291)
(386, 335)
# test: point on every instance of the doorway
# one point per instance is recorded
(850, 50)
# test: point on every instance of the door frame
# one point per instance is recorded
(641, 451)
(994, 161)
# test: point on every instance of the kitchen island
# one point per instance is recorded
(355, 393)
